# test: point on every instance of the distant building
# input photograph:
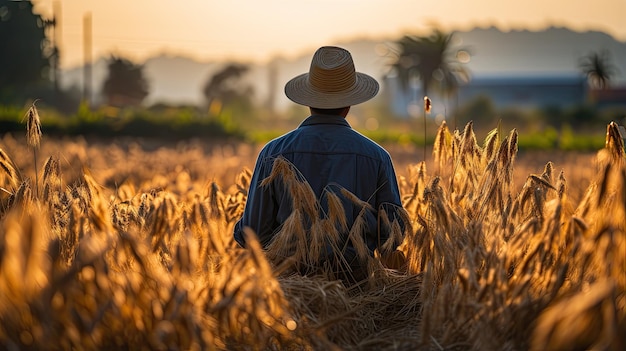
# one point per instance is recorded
(610, 97)
(527, 91)
(524, 92)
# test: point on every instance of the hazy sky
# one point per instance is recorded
(260, 29)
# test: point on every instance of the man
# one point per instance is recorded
(328, 154)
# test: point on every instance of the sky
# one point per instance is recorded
(258, 30)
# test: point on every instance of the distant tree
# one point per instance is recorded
(125, 84)
(24, 51)
(428, 58)
(225, 86)
(598, 68)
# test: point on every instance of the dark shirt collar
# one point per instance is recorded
(325, 119)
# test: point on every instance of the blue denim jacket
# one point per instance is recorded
(329, 154)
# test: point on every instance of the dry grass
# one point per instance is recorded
(132, 249)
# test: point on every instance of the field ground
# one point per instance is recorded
(127, 245)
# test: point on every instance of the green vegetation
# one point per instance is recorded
(107, 121)
(178, 123)
(564, 139)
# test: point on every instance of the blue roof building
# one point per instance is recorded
(527, 91)
(524, 92)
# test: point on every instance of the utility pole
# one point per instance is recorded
(87, 75)
(56, 43)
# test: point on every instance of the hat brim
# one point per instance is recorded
(300, 91)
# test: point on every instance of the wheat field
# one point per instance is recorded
(129, 247)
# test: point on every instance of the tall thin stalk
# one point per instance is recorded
(427, 107)
(33, 137)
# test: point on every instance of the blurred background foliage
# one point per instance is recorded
(29, 74)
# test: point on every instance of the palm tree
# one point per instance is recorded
(428, 58)
(598, 68)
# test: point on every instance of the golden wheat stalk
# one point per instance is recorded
(10, 170)
(33, 137)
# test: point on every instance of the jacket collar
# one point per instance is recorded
(325, 119)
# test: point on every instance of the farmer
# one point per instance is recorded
(329, 154)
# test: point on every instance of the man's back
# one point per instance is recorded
(327, 151)
(330, 155)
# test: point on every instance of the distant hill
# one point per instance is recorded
(554, 51)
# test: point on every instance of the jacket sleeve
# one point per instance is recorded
(260, 209)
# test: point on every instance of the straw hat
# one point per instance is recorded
(332, 81)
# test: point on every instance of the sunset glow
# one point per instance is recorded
(258, 30)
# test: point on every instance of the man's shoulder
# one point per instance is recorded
(372, 146)
(277, 145)
(348, 140)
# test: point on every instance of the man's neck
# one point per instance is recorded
(342, 112)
